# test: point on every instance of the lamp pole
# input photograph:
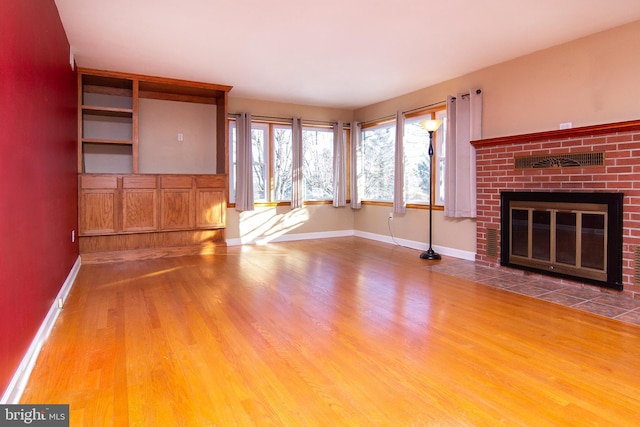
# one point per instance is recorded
(430, 126)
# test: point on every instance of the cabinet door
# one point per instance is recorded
(98, 212)
(176, 204)
(177, 209)
(139, 210)
(98, 205)
(139, 203)
(210, 208)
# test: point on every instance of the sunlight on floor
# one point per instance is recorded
(264, 225)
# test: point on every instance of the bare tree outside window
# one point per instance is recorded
(259, 144)
(317, 170)
(377, 162)
(282, 161)
(416, 162)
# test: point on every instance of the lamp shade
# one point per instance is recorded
(431, 125)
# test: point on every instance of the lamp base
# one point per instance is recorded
(430, 254)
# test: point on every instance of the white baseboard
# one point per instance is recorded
(289, 238)
(442, 250)
(456, 253)
(16, 387)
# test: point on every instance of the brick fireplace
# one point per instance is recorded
(616, 145)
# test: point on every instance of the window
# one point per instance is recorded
(282, 161)
(416, 157)
(271, 151)
(377, 166)
(232, 161)
(440, 142)
(416, 161)
(317, 169)
(260, 154)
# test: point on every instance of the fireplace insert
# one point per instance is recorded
(574, 235)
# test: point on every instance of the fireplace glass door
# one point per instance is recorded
(568, 238)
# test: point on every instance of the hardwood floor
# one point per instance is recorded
(331, 332)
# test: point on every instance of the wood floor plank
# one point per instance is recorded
(342, 331)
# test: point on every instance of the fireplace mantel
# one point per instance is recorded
(607, 128)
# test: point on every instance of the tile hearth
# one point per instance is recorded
(603, 303)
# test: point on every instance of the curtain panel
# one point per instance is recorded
(244, 163)
(355, 151)
(297, 185)
(339, 166)
(399, 205)
(464, 123)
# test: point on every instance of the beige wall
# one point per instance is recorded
(413, 227)
(159, 149)
(265, 224)
(589, 81)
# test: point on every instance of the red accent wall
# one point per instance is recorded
(621, 173)
(38, 181)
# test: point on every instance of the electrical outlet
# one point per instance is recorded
(73, 236)
(390, 215)
(567, 125)
(180, 137)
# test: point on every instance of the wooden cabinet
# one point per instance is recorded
(121, 204)
(124, 214)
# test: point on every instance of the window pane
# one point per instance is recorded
(416, 161)
(377, 162)
(317, 169)
(440, 143)
(232, 161)
(282, 160)
(260, 154)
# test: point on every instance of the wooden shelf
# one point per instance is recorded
(630, 126)
(109, 108)
(108, 111)
(107, 141)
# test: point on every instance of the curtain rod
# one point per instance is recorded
(424, 107)
(392, 116)
(289, 119)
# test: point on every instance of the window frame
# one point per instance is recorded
(438, 142)
(317, 128)
(270, 169)
(361, 178)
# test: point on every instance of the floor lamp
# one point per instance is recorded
(430, 126)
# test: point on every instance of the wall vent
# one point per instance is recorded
(492, 242)
(560, 161)
(636, 268)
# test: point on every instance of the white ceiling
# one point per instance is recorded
(335, 53)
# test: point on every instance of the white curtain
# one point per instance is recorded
(244, 163)
(339, 166)
(355, 150)
(464, 123)
(399, 205)
(297, 186)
